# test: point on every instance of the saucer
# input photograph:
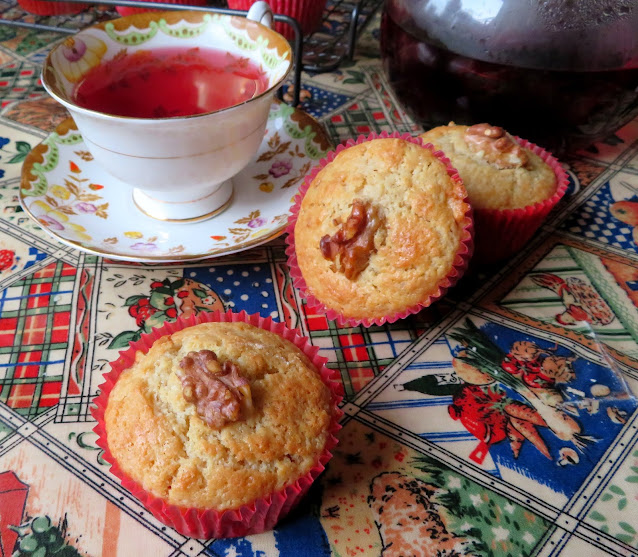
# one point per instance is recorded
(78, 203)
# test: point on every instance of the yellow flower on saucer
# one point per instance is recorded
(134, 235)
(79, 231)
(60, 192)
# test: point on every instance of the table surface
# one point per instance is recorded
(470, 468)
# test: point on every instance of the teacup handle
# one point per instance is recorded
(261, 13)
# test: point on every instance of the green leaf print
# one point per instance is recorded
(355, 77)
(627, 527)
(606, 497)
(617, 490)
(430, 385)
(632, 479)
(132, 300)
(23, 149)
(122, 340)
(595, 515)
(622, 503)
(156, 320)
(626, 538)
(176, 285)
(158, 299)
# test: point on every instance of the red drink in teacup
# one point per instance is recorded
(173, 104)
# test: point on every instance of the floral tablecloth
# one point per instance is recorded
(436, 457)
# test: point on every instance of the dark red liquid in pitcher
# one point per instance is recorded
(559, 110)
(169, 82)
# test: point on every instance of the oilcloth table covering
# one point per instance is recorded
(498, 422)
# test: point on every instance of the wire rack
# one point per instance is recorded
(322, 51)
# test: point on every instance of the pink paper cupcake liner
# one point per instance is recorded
(126, 10)
(308, 13)
(42, 7)
(253, 518)
(502, 233)
(459, 265)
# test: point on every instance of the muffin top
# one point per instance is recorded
(379, 228)
(218, 415)
(497, 172)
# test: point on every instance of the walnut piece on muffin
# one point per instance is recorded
(353, 242)
(379, 228)
(220, 392)
(497, 172)
(161, 440)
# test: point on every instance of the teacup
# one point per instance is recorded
(179, 167)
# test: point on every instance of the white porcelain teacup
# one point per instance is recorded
(178, 167)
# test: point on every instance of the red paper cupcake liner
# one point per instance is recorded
(502, 233)
(308, 13)
(459, 265)
(253, 518)
(127, 10)
(42, 7)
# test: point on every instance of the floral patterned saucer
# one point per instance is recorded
(78, 203)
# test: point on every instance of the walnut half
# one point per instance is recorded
(353, 243)
(496, 146)
(219, 391)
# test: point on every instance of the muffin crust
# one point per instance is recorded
(489, 184)
(160, 441)
(423, 214)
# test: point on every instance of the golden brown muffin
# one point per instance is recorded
(161, 441)
(497, 172)
(379, 228)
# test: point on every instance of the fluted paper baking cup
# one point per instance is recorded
(459, 266)
(502, 233)
(128, 10)
(308, 13)
(42, 7)
(257, 516)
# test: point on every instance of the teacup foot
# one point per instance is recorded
(172, 207)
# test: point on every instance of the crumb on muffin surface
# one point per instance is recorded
(488, 185)
(423, 212)
(159, 440)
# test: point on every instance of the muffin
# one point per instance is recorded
(219, 427)
(511, 184)
(380, 230)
